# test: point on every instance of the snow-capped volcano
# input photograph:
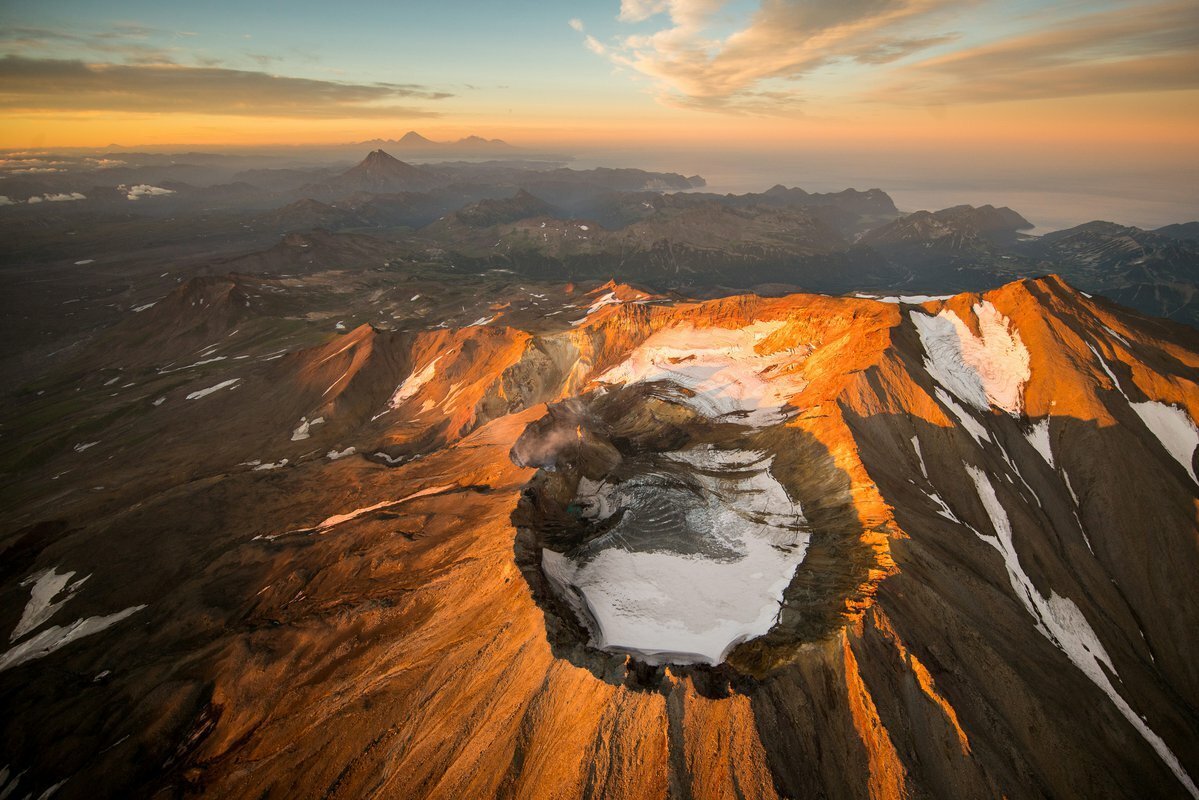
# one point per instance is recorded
(624, 545)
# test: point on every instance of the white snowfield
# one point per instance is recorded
(211, 389)
(982, 371)
(972, 426)
(1174, 428)
(723, 366)
(905, 299)
(1063, 623)
(1038, 437)
(57, 636)
(920, 456)
(413, 383)
(48, 585)
(666, 606)
(607, 299)
(338, 519)
(482, 321)
(303, 430)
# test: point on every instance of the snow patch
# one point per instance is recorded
(413, 383)
(302, 431)
(1038, 437)
(607, 299)
(211, 389)
(1115, 381)
(906, 299)
(335, 454)
(722, 366)
(943, 508)
(972, 426)
(58, 636)
(1070, 488)
(982, 371)
(1174, 428)
(920, 456)
(47, 585)
(1117, 336)
(339, 519)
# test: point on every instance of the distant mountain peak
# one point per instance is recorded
(415, 141)
(414, 138)
(379, 157)
(382, 163)
(382, 172)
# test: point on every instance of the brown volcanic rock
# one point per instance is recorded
(343, 628)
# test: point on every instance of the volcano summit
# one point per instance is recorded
(609, 542)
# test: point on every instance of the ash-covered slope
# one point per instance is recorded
(398, 564)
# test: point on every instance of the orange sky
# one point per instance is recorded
(1166, 119)
(1096, 76)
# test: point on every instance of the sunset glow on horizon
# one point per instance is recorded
(905, 74)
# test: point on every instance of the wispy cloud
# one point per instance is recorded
(755, 68)
(41, 84)
(710, 54)
(1132, 49)
(595, 45)
(125, 42)
(263, 59)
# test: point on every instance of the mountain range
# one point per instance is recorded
(414, 142)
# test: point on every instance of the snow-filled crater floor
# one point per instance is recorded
(693, 553)
(654, 528)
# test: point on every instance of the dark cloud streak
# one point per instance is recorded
(44, 84)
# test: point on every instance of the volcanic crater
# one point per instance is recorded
(658, 539)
